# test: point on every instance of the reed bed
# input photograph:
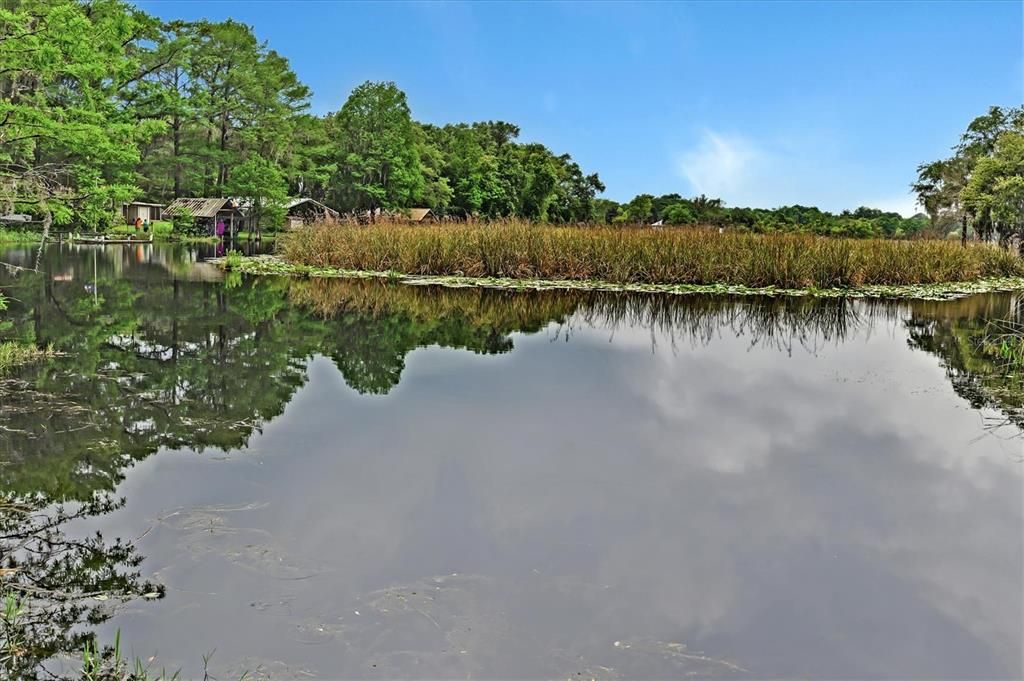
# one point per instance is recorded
(643, 255)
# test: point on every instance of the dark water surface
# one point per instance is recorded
(327, 479)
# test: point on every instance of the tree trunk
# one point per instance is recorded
(222, 175)
(47, 221)
(963, 232)
(176, 128)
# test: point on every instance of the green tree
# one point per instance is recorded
(678, 214)
(941, 185)
(262, 185)
(377, 155)
(67, 150)
(995, 191)
(638, 211)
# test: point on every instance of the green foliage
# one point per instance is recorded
(489, 174)
(19, 236)
(672, 209)
(184, 224)
(982, 184)
(994, 194)
(377, 155)
(639, 211)
(222, 98)
(14, 354)
(262, 185)
(67, 147)
(232, 260)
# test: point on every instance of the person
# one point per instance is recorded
(138, 222)
(145, 226)
(220, 228)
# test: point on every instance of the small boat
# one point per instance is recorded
(101, 239)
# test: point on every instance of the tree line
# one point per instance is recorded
(101, 103)
(981, 186)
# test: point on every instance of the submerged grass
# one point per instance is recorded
(643, 256)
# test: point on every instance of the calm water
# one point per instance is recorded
(326, 479)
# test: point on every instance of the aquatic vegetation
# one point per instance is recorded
(643, 256)
(13, 354)
(1004, 338)
(232, 260)
(275, 265)
(18, 236)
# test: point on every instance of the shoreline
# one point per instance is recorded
(272, 265)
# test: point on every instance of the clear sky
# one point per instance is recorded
(761, 103)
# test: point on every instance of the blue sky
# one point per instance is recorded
(763, 104)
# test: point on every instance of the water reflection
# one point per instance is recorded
(53, 583)
(651, 486)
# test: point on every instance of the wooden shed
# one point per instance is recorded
(421, 215)
(307, 211)
(208, 212)
(140, 209)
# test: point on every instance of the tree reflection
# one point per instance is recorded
(52, 584)
(959, 334)
(156, 352)
(155, 356)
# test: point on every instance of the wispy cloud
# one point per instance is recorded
(721, 165)
(808, 169)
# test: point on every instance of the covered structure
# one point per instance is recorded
(298, 212)
(306, 211)
(208, 212)
(421, 215)
(141, 209)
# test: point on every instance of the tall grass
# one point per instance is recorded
(13, 354)
(19, 236)
(643, 255)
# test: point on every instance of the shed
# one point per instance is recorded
(421, 215)
(207, 212)
(140, 209)
(307, 211)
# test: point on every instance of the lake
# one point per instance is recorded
(335, 478)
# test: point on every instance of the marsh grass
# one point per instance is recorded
(15, 354)
(1003, 339)
(17, 236)
(643, 255)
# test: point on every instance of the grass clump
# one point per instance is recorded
(1003, 339)
(643, 255)
(19, 236)
(14, 354)
(232, 260)
(160, 229)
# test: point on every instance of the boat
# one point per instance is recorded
(101, 239)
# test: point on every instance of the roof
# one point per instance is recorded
(298, 202)
(418, 214)
(142, 203)
(199, 208)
